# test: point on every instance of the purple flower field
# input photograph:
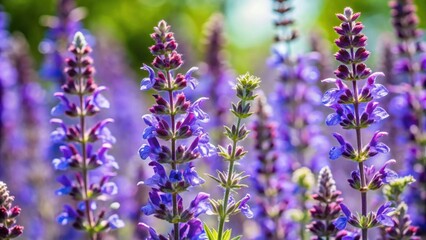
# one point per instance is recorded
(318, 139)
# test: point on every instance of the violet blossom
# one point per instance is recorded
(296, 99)
(175, 139)
(268, 177)
(84, 148)
(355, 109)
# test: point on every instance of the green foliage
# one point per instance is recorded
(212, 234)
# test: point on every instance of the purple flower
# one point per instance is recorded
(191, 176)
(151, 150)
(192, 230)
(374, 179)
(244, 207)
(67, 185)
(188, 77)
(357, 108)
(78, 140)
(198, 206)
(341, 222)
(198, 112)
(345, 149)
(115, 222)
(177, 124)
(69, 215)
(149, 81)
(375, 147)
(383, 214)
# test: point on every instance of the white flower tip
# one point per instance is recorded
(140, 183)
(79, 40)
(115, 205)
(329, 80)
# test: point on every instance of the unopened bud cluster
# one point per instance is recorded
(8, 214)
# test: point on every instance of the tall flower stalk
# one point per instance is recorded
(215, 81)
(89, 171)
(296, 99)
(8, 214)
(176, 122)
(34, 132)
(231, 180)
(327, 208)
(268, 177)
(410, 68)
(402, 228)
(356, 109)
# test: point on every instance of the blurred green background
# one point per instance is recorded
(249, 26)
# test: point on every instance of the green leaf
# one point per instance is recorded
(215, 233)
(227, 234)
(213, 177)
(228, 132)
(210, 235)
(237, 237)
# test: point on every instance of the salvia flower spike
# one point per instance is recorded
(8, 214)
(327, 208)
(175, 139)
(231, 180)
(402, 228)
(357, 108)
(88, 171)
(295, 100)
(268, 177)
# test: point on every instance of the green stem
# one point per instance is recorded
(173, 150)
(363, 189)
(223, 215)
(85, 172)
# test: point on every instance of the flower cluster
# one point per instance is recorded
(33, 129)
(327, 208)
(176, 121)
(231, 180)
(402, 228)
(90, 170)
(8, 214)
(283, 21)
(357, 108)
(268, 177)
(410, 68)
(296, 99)
(382, 217)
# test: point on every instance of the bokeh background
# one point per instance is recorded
(249, 27)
